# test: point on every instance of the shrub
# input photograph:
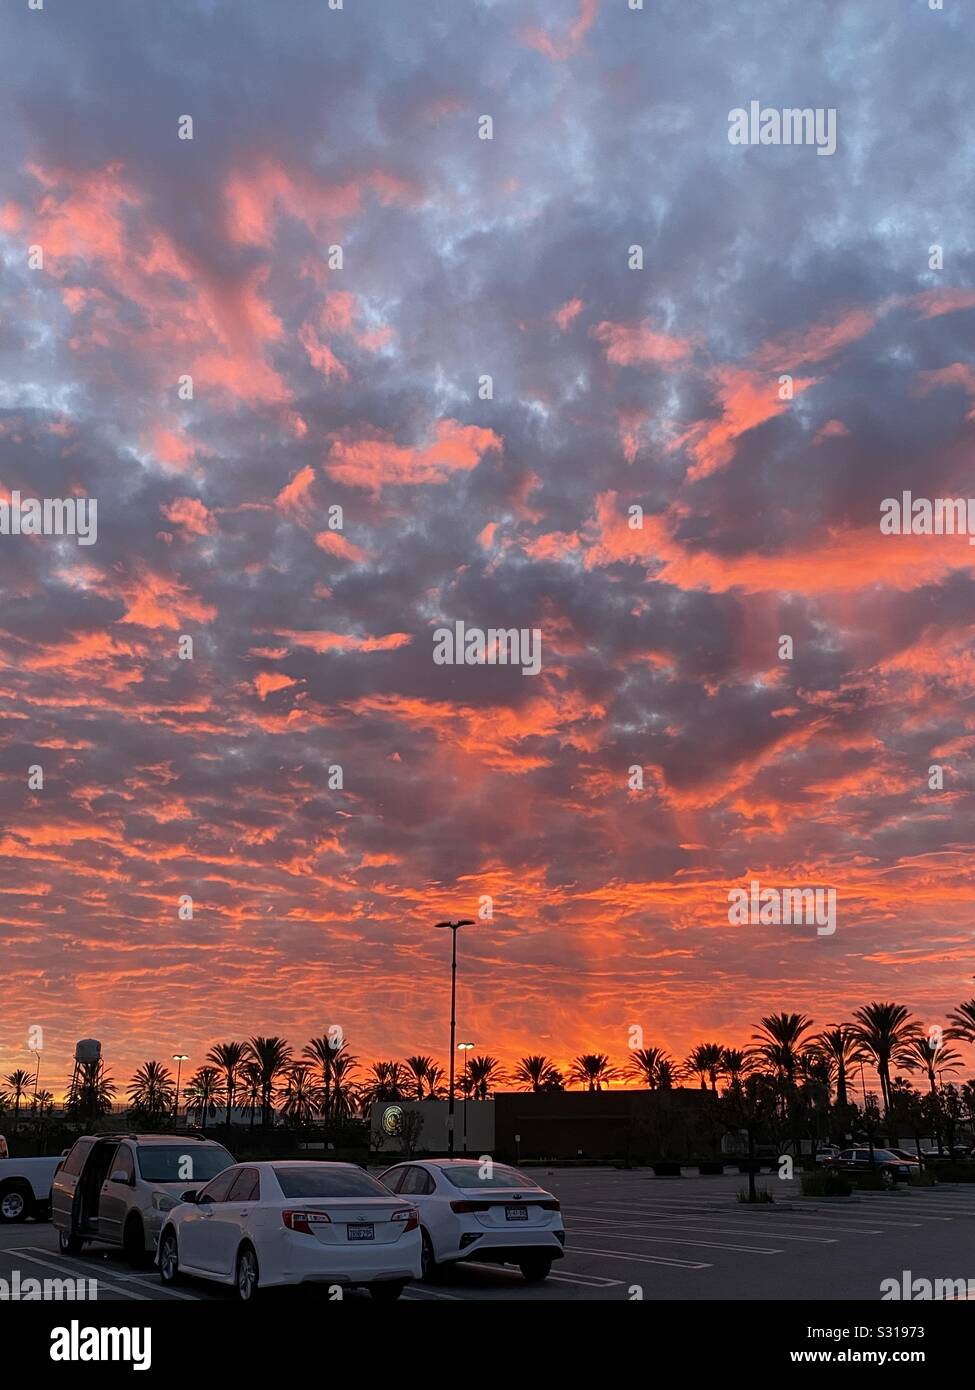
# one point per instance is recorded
(762, 1196)
(825, 1182)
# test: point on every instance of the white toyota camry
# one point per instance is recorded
(258, 1225)
(471, 1209)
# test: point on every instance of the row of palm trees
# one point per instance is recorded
(264, 1073)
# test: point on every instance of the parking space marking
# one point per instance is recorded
(589, 1281)
(418, 1291)
(820, 1225)
(680, 1240)
(707, 1229)
(157, 1288)
(638, 1259)
(66, 1269)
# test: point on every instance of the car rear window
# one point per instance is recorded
(183, 1163)
(468, 1176)
(327, 1182)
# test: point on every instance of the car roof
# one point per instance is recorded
(155, 1138)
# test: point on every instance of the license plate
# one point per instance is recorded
(516, 1213)
(362, 1230)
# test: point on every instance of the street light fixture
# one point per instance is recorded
(179, 1058)
(454, 927)
(466, 1048)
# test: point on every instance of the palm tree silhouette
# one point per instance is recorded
(885, 1031)
(840, 1047)
(780, 1040)
(229, 1057)
(332, 1059)
(202, 1091)
(485, 1074)
(20, 1080)
(651, 1066)
(299, 1097)
(151, 1092)
(707, 1060)
(419, 1068)
(272, 1056)
(536, 1073)
(593, 1070)
(963, 1022)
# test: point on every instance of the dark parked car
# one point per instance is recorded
(891, 1166)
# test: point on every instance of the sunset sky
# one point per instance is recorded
(613, 388)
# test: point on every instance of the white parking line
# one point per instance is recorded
(679, 1240)
(417, 1291)
(589, 1281)
(102, 1285)
(638, 1259)
(707, 1229)
(782, 1220)
(158, 1288)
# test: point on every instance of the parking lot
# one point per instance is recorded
(671, 1238)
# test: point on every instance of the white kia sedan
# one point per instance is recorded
(261, 1225)
(472, 1209)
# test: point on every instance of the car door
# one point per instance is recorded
(231, 1221)
(116, 1195)
(195, 1221)
(65, 1184)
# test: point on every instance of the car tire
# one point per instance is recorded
(429, 1268)
(247, 1279)
(134, 1243)
(388, 1291)
(16, 1202)
(69, 1243)
(535, 1269)
(888, 1178)
(169, 1271)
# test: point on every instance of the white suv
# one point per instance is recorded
(117, 1188)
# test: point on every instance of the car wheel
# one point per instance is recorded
(247, 1281)
(69, 1243)
(429, 1269)
(16, 1203)
(887, 1178)
(134, 1243)
(535, 1268)
(388, 1291)
(169, 1259)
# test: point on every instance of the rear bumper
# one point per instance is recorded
(498, 1247)
(306, 1261)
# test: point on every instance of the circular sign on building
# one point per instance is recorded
(391, 1118)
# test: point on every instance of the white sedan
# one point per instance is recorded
(473, 1209)
(258, 1225)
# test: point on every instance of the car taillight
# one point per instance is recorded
(304, 1220)
(409, 1215)
(462, 1208)
(549, 1204)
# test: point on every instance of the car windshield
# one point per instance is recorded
(469, 1176)
(183, 1163)
(327, 1182)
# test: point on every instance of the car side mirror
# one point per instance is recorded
(120, 1175)
(188, 1196)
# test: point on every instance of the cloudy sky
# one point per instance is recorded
(316, 387)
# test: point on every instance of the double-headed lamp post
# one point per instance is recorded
(179, 1058)
(466, 1048)
(454, 928)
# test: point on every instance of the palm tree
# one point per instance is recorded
(419, 1067)
(485, 1073)
(885, 1032)
(536, 1073)
(344, 1097)
(593, 1070)
(735, 1064)
(324, 1054)
(385, 1083)
(707, 1060)
(299, 1098)
(963, 1022)
(932, 1056)
(840, 1047)
(272, 1056)
(91, 1091)
(202, 1091)
(249, 1077)
(780, 1039)
(229, 1057)
(646, 1066)
(151, 1091)
(21, 1081)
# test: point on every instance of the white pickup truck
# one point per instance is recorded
(25, 1187)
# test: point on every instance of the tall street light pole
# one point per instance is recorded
(179, 1058)
(466, 1049)
(454, 927)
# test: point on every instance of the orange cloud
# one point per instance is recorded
(374, 464)
(628, 345)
